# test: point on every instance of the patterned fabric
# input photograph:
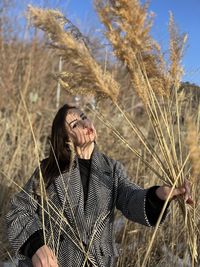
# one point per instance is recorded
(77, 235)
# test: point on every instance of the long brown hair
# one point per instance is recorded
(59, 154)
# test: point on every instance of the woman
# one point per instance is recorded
(71, 224)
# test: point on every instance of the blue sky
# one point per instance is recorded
(186, 14)
(187, 17)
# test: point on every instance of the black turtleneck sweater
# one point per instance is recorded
(84, 167)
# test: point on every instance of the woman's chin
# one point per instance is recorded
(81, 145)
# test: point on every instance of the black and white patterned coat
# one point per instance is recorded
(78, 235)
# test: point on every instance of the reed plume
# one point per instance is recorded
(128, 28)
(177, 43)
(86, 75)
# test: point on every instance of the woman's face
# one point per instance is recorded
(80, 129)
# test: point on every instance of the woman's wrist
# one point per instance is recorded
(85, 152)
(34, 242)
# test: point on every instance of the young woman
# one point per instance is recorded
(71, 224)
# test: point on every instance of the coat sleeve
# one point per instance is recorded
(131, 199)
(22, 219)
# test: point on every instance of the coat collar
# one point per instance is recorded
(98, 162)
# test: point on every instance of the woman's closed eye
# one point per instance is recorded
(74, 126)
(84, 117)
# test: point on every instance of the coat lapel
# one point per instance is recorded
(100, 187)
(70, 192)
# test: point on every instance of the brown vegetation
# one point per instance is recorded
(150, 129)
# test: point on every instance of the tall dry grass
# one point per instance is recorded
(163, 105)
(152, 127)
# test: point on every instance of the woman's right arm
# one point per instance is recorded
(22, 219)
(23, 222)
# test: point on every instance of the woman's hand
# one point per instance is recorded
(44, 257)
(163, 192)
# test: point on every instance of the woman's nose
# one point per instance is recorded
(84, 124)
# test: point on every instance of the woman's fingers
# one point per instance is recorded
(44, 257)
(52, 262)
(185, 190)
(178, 191)
(188, 197)
(188, 190)
(190, 201)
(54, 258)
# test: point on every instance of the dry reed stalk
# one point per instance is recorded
(194, 152)
(176, 169)
(36, 150)
(161, 214)
(57, 212)
(120, 261)
(67, 199)
(42, 189)
(50, 205)
(144, 141)
(97, 229)
(86, 76)
(109, 125)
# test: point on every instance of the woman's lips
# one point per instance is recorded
(90, 131)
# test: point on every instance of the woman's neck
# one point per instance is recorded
(85, 152)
